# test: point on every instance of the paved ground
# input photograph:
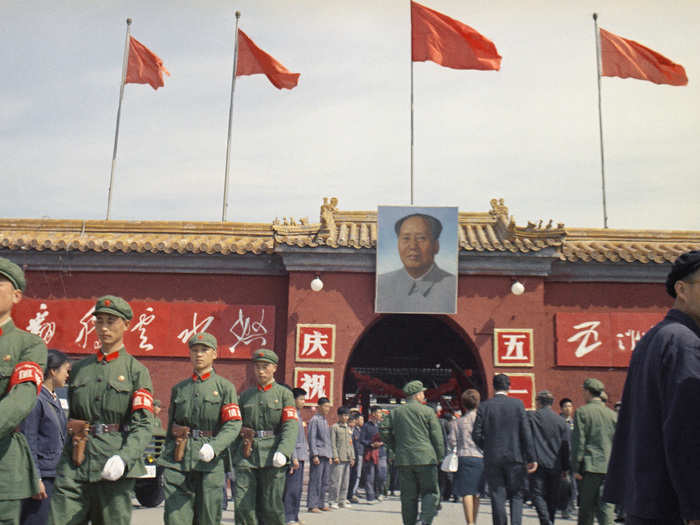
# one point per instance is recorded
(387, 512)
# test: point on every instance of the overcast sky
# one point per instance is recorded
(527, 133)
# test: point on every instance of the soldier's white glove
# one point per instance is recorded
(279, 460)
(206, 453)
(113, 469)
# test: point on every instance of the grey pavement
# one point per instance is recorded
(388, 511)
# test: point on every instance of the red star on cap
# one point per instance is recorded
(200, 337)
(107, 302)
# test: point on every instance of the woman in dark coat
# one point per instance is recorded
(45, 430)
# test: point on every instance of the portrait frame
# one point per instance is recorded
(397, 287)
(298, 371)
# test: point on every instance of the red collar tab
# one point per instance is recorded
(108, 357)
(265, 388)
(196, 377)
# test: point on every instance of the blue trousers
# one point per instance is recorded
(376, 475)
(36, 512)
(318, 484)
(292, 493)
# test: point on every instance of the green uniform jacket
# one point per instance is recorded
(198, 405)
(18, 477)
(413, 432)
(101, 392)
(263, 410)
(591, 442)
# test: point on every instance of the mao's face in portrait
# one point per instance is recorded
(417, 248)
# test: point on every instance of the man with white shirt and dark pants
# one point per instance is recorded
(503, 432)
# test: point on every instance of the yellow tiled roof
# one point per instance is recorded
(492, 231)
(136, 236)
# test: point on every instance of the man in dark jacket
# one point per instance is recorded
(550, 435)
(502, 431)
(655, 458)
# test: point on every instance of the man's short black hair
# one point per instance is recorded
(296, 392)
(374, 409)
(563, 401)
(343, 410)
(323, 401)
(434, 224)
(501, 382)
(354, 416)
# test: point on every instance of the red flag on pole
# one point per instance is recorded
(628, 59)
(449, 42)
(252, 60)
(145, 67)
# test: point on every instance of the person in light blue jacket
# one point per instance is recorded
(45, 430)
(321, 457)
(295, 474)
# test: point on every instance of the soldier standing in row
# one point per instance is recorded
(203, 421)
(110, 423)
(22, 362)
(266, 443)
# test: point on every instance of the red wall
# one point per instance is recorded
(232, 289)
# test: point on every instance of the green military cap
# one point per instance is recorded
(203, 338)
(13, 273)
(111, 304)
(594, 385)
(266, 355)
(413, 387)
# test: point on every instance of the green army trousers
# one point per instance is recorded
(193, 497)
(418, 481)
(10, 510)
(590, 489)
(99, 503)
(259, 492)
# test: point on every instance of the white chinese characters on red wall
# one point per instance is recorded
(522, 386)
(315, 343)
(318, 383)
(513, 347)
(600, 338)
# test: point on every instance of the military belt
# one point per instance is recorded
(196, 433)
(264, 433)
(101, 428)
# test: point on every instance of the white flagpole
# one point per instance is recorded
(600, 119)
(125, 61)
(411, 59)
(230, 119)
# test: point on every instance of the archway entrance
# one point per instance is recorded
(398, 348)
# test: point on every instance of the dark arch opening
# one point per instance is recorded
(398, 348)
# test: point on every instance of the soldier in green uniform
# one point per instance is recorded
(267, 440)
(591, 444)
(22, 362)
(413, 432)
(203, 421)
(110, 422)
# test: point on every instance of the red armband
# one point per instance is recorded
(289, 413)
(230, 412)
(142, 400)
(27, 371)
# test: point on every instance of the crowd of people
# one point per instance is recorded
(639, 467)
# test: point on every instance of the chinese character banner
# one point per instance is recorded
(317, 382)
(513, 347)
(600, 339)
(316, 342)
(158, 328)
(522, 386)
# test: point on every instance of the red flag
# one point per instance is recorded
(628, 59)
(253, 60)
(449, 42)
(144, 66)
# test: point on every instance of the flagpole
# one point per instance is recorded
(600, 119)
(125, 61)
(411, 126)
(230, 120)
